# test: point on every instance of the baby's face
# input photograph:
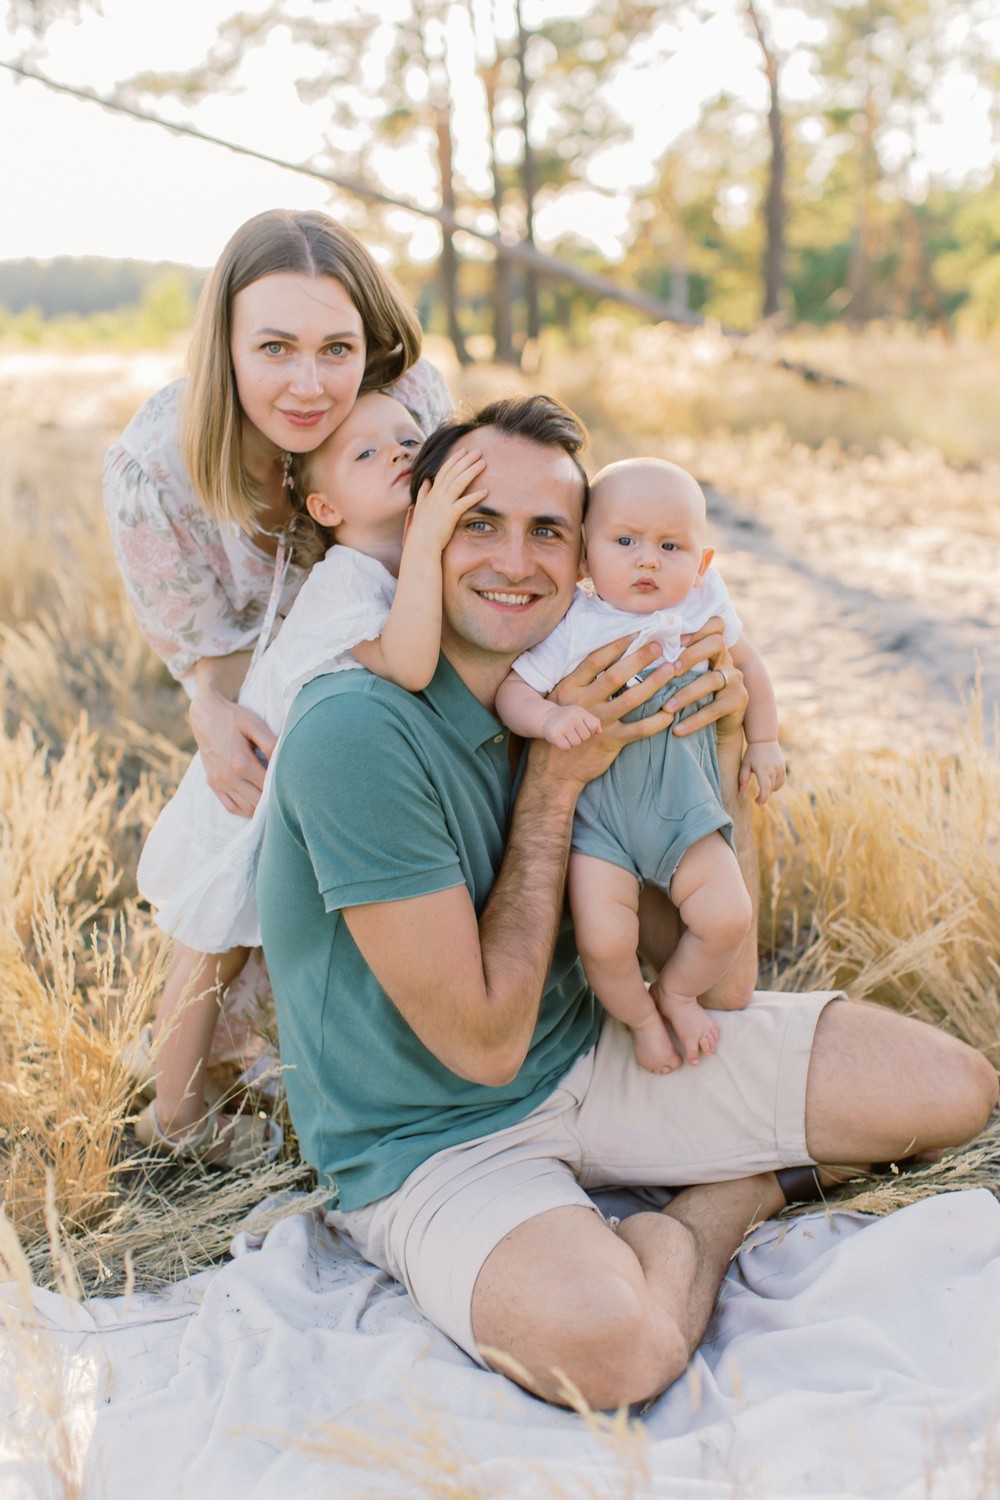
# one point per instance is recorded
(645, 536)
(364, 467)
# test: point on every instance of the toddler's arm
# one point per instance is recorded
(763, 757)
(407, 650)
(527, 713)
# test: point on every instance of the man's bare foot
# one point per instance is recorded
(697, 1033)
(654, 1050)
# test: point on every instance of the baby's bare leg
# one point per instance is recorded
(185, 1021)
(714, 905)
(604, 900)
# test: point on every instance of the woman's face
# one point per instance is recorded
(298, 351)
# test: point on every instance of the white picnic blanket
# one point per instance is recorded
(850, 1357)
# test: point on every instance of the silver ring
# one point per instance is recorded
(725, 678)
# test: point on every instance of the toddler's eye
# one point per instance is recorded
(411, 442)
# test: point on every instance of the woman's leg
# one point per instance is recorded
(185, 1024)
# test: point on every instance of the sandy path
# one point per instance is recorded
(883, 656)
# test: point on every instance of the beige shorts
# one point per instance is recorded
(608, 1124)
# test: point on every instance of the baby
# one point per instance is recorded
(656, 815)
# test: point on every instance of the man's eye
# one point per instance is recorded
(479, 526)
(545, 531)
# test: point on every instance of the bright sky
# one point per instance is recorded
(77, 180)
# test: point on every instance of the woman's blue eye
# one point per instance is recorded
(274, 348)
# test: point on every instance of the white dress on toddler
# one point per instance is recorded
(199, 864)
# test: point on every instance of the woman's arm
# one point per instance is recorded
(407, 650)
(168, 566)
(235, 744)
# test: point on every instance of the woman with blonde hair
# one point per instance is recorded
(296, 319)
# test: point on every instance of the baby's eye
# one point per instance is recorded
(365, 453)
(624, 541)
(669, 546)
(411, 442)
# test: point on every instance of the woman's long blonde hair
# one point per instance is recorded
(309, 244)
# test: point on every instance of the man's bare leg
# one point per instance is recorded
(621, 1314)
(618, 1315)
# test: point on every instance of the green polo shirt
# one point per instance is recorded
(381, 795)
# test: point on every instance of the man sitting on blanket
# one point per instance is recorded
(451, 1074)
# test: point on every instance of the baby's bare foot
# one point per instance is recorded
(654, 1050)
(696, 1031)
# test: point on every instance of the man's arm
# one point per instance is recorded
(471, 989)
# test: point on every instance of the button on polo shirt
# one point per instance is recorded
(382, 795)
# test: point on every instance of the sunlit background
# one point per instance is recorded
(79, 181)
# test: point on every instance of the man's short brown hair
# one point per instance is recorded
(539, 419)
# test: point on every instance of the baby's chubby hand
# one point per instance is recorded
(763, 759)
(444, 499)
(569, 724)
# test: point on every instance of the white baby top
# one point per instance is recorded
(590, 622)
(198, 867)
(200, 587)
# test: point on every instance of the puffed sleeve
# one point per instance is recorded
(168, 579)
(422, 390)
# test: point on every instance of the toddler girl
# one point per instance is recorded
(657, 814)
(199, 863)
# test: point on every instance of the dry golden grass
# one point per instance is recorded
(879, 877)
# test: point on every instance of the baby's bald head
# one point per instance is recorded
(653, 484)
(645, 533)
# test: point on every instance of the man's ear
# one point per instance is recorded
(706, 561)
(322, 511)
(407, 523)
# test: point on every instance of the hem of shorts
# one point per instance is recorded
(719, 822)
(796, 1050)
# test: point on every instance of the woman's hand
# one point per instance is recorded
(229, 738)
(723, 679)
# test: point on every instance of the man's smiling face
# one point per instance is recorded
(511, 566)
